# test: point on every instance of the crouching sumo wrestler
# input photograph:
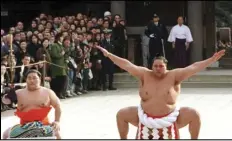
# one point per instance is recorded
(33, 106)
(158, 116)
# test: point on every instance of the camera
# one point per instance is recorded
(71, 63)
(4, 90)
(10, 92)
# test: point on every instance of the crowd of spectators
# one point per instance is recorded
(75, 66)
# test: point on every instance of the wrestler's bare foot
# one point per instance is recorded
(124, 117)
(190, 116)
(58, 136)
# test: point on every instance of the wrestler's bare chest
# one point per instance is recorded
(159, 94)
(32, 100)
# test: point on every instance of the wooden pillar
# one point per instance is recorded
(131, 50)
(118, 7)
(210, 26)
(195, 22)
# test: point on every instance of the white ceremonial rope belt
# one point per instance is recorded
(157, 123)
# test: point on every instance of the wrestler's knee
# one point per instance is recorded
(128, 114)
(120, 114)
(124, 113)
(194, 114)
(187, 115)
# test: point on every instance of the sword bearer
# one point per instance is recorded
(157, 33)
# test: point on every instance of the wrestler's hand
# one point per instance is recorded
(218, 55)
(104, 51)
(56, 125)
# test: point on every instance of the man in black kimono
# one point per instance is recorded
(156, 32)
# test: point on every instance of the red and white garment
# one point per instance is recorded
(162, 127)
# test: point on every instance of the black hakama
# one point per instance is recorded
(180, 56)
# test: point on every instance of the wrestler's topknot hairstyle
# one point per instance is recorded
(33, 71)
(160, 57)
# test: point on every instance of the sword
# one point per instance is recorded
(11, 59)
(21, 74)
(163, 47)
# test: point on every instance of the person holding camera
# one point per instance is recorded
(77, 54)
(96, 66)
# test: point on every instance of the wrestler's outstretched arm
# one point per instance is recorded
(184, 73)
(134, 70)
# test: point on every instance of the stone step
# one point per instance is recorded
(183, 85)
(208, 79)
(226, 63)
(226, 66)
(226, 59)
(125, 77)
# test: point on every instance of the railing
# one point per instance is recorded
(44, 62)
